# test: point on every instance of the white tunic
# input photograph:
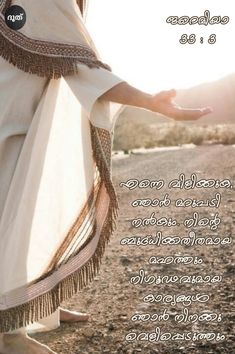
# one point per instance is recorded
(47, 168)
(32, 108)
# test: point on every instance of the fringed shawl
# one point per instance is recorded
(52, 59)
(45, 58)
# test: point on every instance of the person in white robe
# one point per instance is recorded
(59, 103)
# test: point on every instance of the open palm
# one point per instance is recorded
(163, 103)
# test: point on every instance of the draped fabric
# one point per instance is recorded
(82, 5)
(51, 48)
(58, 205)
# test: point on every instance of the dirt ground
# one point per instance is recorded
(111, 300)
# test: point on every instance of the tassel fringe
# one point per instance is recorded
(103, 161)
(42, 58)
(4, 4)
(47, 303)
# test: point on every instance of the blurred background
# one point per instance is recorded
(142, 48)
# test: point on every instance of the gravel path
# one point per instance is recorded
(112, 300)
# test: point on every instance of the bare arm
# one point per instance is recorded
(162, 102)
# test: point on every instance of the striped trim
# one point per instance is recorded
(71, 237)
(44, 58)
(42, 297)
(23, 306)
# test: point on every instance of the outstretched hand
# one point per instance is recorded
(163, 103)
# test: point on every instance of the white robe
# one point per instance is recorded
(44, 124)
(47, 170)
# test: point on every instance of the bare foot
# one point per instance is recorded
(72, 316)
(22, 344)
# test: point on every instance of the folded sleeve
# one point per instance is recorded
(88, 85)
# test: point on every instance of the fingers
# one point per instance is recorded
(191, 114)
(203, 111)
(207, 110)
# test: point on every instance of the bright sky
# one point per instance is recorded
(133, 37)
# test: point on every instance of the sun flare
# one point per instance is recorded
(133, 36)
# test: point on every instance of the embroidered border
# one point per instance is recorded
(74, 229)
(41, 298)
(44, 58)
(4, 4)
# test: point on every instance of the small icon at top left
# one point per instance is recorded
(15, 17)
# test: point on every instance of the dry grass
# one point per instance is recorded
(129, 136)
